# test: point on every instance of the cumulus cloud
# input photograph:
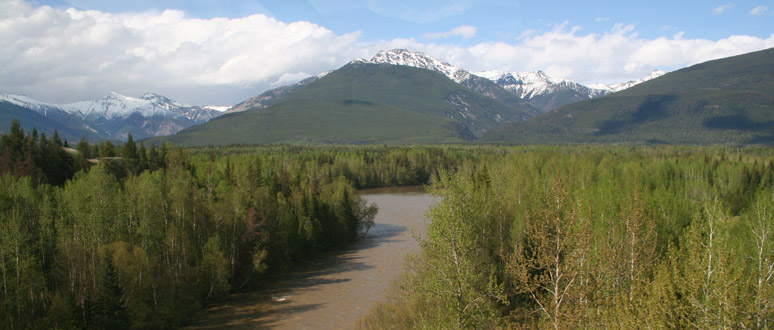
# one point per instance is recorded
(65, 56)
(73, 53)
(759, 11)
(618, 55)
(723, 8)
(464, 32)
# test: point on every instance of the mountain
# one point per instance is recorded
(363, 103)
(728, 101)
(111, 117)
(403, 57)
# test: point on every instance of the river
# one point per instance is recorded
(333, 290)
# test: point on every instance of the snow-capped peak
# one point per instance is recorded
(27, 102)
(163, 101)
(526, 84)
(621, 86)
(116, 105)
(417, 60)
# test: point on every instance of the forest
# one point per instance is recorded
(595, 237)
(147, 236)
(130, 236)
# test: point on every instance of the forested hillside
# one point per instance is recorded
(596, 238)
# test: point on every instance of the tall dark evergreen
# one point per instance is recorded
(109, 310)
(84, 148)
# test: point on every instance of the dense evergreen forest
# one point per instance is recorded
(104, 236)
(146, 237)
(596, 237)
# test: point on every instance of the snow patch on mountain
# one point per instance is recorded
(220, 108)
(417, 60)
(323, 74)
(617, 87)
(29, 103)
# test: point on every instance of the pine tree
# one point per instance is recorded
(129, 154)
(84, 148)
(109, 309)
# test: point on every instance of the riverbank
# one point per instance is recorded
(335, 289)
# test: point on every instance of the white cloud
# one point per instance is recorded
(68, 55)
(464, 32)
(618, 55)
(601, 19)
(759, 11)
(723, 8)
(65, 56)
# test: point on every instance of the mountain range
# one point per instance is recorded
(728, 101)
(364, 103)
(400, 97)
(543, 92)
(111, 117)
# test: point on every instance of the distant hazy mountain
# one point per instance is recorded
(364, 103)
(111, 117)
(548, 93)
(726, 101)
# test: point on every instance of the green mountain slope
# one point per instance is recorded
(363, 103)
(727, 101)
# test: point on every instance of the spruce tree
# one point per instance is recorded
(109, 310)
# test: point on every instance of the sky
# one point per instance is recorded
(223, 52)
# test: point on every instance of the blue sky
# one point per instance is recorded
(495, 20)
(206, 51)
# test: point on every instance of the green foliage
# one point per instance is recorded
(455, 270)
(42, 159)
(109, 311)
(153, 246)
(593, 237)
(597, 237)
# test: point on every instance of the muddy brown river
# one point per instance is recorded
(333, 290)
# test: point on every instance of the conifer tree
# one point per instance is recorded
(109, 309)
